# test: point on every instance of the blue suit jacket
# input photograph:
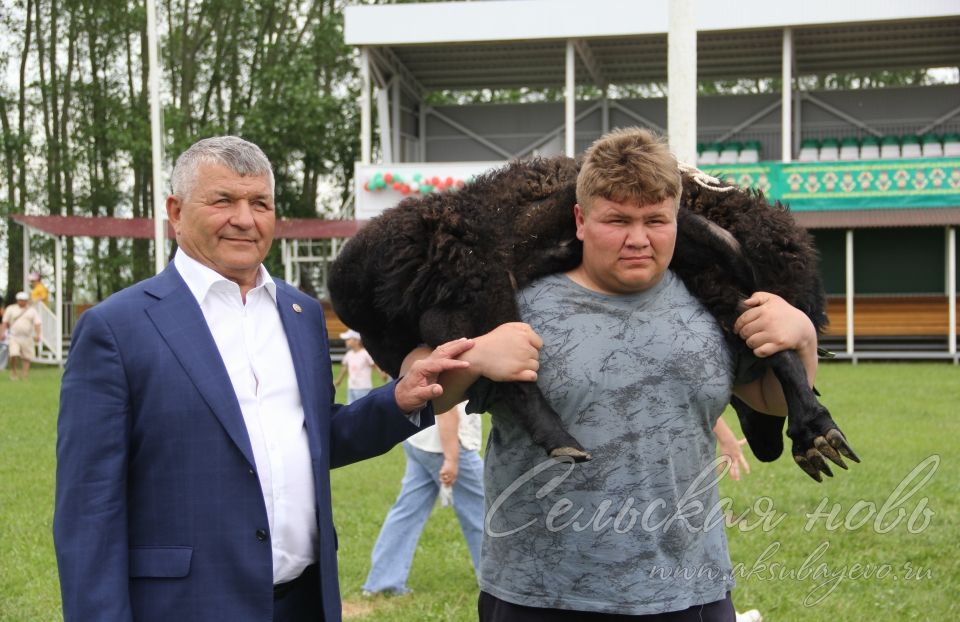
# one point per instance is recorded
(159, 512)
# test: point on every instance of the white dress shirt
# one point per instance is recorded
(254, 349)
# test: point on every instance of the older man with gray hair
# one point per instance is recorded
(197, 426)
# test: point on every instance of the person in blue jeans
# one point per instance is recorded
(442, 456)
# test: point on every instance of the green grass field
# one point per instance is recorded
(862, 562)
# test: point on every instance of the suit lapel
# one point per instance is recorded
(180, 322)
(302, 341)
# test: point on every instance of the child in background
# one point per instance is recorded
(356, 365)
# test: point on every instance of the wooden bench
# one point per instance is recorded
(334, 325)
(890, 316)
(887, 316)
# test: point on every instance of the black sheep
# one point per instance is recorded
(447, 265)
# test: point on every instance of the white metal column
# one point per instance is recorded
(58, 284)
(383, 121)
(398, 155)
(365, 113)
(849, 288)
(287, 263)
(423, 132)
(156, 144)
(570, 104)
(952, 289)
(25, 286)
(682, 79)
(786, 98)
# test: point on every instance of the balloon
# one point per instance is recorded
(417, 177)
(397, 185)
(448, 181)
(388, 177)
(414, 186)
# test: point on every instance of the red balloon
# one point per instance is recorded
(366, 186)
(388, 177)
(435, 181)
(397, 185)
(448, 181)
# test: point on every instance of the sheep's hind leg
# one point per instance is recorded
(809, 425)
(763, 432)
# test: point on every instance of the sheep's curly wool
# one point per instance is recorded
(447, 265)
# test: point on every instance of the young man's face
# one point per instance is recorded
(626, 247)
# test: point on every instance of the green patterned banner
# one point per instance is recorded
(862, 184)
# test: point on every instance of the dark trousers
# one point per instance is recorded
(299, 600)
(492, 609)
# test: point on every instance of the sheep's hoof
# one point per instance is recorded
(830, 445)
(578, 455)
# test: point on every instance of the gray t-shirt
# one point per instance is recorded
(640, 381)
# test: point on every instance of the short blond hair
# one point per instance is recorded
(629, 165)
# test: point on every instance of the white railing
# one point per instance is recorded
(50, 349)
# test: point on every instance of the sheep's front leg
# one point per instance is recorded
(525, 401)
(809, 425)
(522, 399)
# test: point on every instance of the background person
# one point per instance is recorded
(197, 423)
(357, 366)
(445, 455)
(21, 327)
(38, 291)
(731, 448)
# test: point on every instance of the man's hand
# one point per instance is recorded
(771, 325)
(732, 448)
(449, 471)
(508, 353)
(419, 384)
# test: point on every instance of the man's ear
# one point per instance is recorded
(174, 209)
(578, 218)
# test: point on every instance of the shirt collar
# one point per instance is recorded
(200, 278)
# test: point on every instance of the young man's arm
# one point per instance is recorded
(508, 353)
(772, 325)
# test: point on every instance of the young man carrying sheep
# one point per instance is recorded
(639, 372)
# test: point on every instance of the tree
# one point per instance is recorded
(75, 135)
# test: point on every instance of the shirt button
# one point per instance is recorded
(261, 534)
(250, 471)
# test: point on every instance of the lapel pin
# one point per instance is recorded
(297, 308)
